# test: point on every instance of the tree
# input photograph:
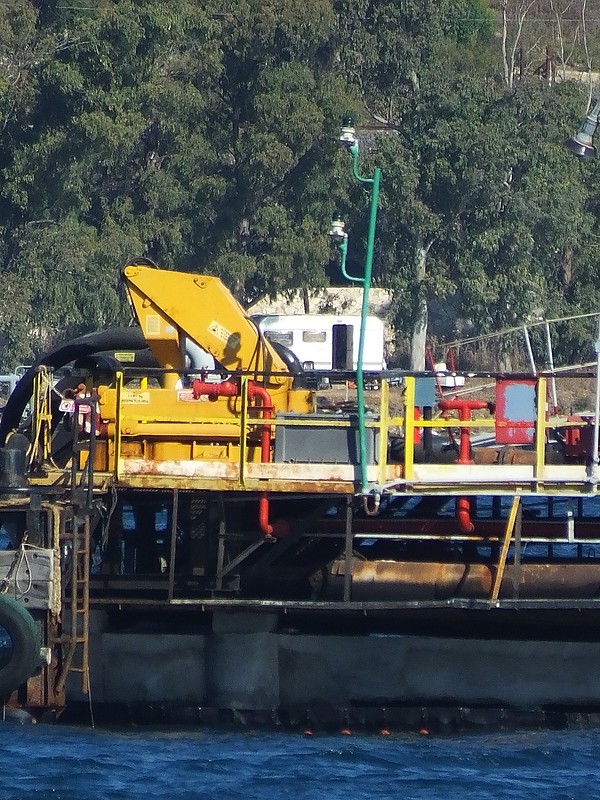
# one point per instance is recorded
(279, 99)
(200, 132)
(97, 154)
(525, 253)
(433, 176)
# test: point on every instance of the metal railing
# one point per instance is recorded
(409, 425)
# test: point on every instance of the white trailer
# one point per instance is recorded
(326, 341)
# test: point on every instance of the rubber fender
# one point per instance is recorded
(25, 637)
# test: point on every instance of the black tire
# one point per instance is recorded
(25, 637)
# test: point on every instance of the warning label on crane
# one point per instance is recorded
(125, 358)
(152, 325)
(130, 397)
(219, 331)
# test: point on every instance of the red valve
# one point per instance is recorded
(464, 408)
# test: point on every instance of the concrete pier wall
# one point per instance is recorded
(245, 664)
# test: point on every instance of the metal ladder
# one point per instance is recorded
(76, 597)
(76, 535)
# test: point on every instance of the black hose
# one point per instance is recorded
(91, 343)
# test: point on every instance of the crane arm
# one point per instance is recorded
(171, 306)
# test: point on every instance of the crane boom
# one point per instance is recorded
(171, 306)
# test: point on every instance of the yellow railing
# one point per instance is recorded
(407, 424)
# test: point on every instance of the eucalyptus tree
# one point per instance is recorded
(411, 62)
(280, 95)
(436, 170)
(526, 252)
(483, 213)
(199, 134)
(99, 154)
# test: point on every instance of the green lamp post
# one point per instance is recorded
(349, 140)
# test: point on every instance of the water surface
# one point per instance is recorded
(65, 763)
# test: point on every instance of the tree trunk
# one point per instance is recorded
(306, 300)
(421, 315)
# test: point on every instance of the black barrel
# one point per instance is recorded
(13, 467)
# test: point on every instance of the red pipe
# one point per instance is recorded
(255, 391)
(464, 408)
(231, 389)
(280, 527)
(463, 515)
(224, 389)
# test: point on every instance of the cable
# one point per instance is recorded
(23, 558)
(90, 705)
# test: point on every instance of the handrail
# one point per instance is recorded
(384, 474)
(118, 422)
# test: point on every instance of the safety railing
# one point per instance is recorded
(407, 426)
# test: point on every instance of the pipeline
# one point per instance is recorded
(230, 389)
(383, 580)
(464, 408)
(91, 343)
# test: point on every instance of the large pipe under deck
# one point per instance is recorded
(423, 580)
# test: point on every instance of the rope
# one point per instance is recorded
(23, 559)
(4, 586)
(20, 557)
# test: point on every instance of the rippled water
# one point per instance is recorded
(61, 763)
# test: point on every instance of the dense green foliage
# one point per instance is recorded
(203, 135)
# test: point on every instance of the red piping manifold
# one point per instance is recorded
(231, 389)
(464, 408)
(463, 515)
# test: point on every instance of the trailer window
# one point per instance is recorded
(285, 338)
(314, 336)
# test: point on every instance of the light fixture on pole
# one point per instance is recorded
(349, 140)
(348, 135)
(338, 229)
(339, 236)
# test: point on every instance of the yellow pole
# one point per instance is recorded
(409, 427)
(118, 393)
(383, 430)
(510, 525)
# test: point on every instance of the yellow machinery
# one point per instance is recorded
(174, 415)
(170, 306)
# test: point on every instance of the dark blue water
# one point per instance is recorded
(59, 763)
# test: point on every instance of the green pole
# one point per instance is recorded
(366, 284)
(350, 142)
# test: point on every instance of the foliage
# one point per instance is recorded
(203, 135)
